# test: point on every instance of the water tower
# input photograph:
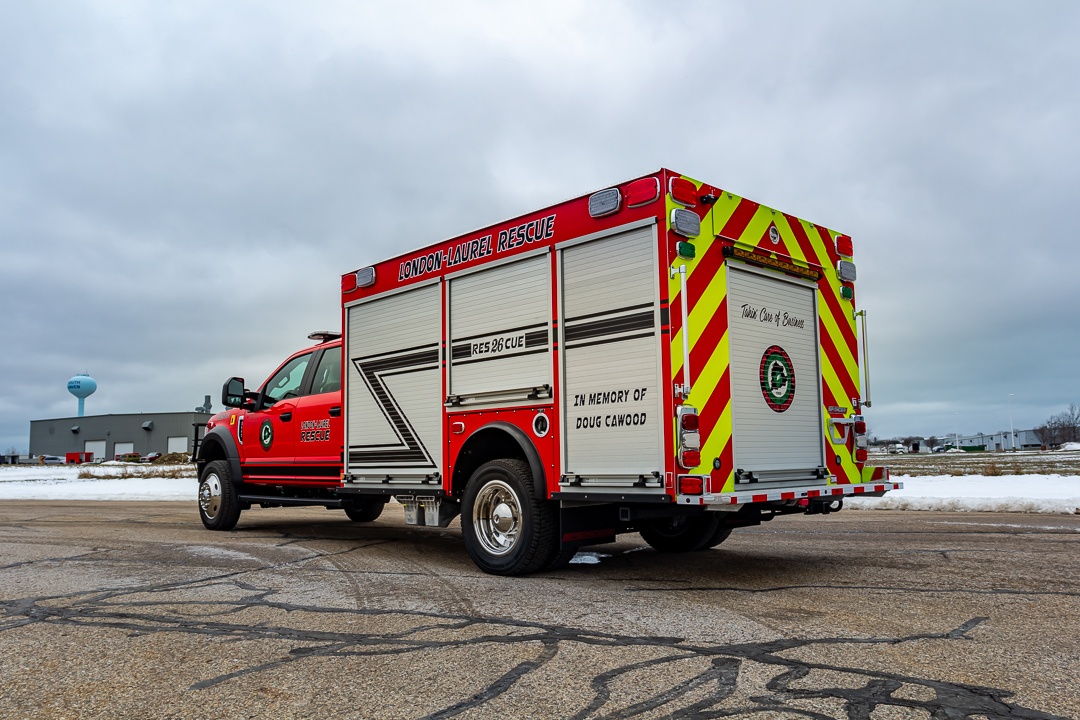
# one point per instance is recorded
(82, 386)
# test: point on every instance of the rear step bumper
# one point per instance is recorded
(814, 493)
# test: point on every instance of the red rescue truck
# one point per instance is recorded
(661, 357)
(280, 445)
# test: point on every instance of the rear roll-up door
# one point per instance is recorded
(775, 376)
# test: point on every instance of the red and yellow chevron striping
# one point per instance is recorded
(735, 221)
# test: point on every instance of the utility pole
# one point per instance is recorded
(1012, 433)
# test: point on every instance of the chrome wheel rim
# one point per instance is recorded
(496, 517)
(210, 496)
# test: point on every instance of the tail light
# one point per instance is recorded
(689, 452)
(859, 428)
(691, 485)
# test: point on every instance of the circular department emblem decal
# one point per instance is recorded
(266, 434)
(777, 379)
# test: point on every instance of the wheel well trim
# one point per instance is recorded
(532, 455)
(223, 439)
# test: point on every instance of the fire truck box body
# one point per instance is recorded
(660, 356)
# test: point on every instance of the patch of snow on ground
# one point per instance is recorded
(1058, 494)
(62, 482)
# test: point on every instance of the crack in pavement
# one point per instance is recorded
(708, 693)
(884, 588)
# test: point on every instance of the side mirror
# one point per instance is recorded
(233, 394)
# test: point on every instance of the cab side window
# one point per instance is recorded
(286, 382)
(328, 372)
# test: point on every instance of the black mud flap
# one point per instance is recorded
(588, 525)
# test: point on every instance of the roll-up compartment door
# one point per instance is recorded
(610, 338)
(394, 393)
(500, 346)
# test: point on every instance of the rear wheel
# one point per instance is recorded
(219, 505)
(364, 510)
(722, 533)
(681, 533)
(508, 531)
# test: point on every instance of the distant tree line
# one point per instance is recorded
(1061, 428)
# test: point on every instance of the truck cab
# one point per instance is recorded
(279, 445)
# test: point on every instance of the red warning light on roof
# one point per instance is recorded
(642, 192)
(683, 191)
(843, 245)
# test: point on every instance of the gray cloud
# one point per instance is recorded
(180, 187)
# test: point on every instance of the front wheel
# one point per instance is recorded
(219, 504)
(682, 533)
(508, 531)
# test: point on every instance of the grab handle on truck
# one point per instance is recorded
(683, 390)
(866, 360)
(838, 429)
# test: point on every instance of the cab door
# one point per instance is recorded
(319, 425)
(269, 434)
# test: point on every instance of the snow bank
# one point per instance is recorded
(1058, 494)
(61, 482)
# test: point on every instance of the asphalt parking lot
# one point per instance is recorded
(125, 610)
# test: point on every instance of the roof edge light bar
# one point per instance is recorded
(605, 202)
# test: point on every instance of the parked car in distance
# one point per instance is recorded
(150, 457)
(50, 460)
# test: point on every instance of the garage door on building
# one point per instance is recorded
(97, 447)
(178, 444)
(123, 448)
(775, 377)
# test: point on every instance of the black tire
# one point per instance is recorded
(364, 510)
(219, 504)
(507, 530)
(680, 533)
(560, 558)
(722, 533)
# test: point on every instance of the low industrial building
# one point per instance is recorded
(105, 437)
(1002, 440)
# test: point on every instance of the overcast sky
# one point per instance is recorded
(182, 184)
